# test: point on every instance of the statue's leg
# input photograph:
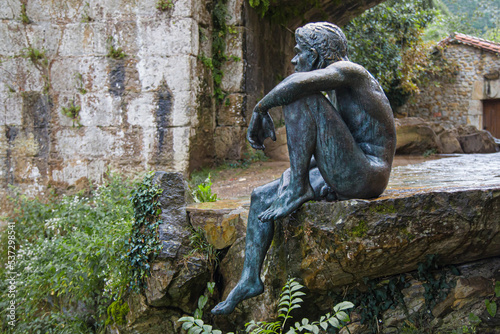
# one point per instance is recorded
(301, 140)
(345, 167)
(258, 239)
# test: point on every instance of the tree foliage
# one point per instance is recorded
(387, 41)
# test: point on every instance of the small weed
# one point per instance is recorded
(164, 5)
(201, 246)
(203, 192)
(24, 16)
(73, 112)
(79, 83)
(36, 56)
(114, 52)
(86, 18)
(429, 152)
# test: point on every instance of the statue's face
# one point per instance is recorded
(305, 58)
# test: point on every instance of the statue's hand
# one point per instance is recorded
(261, 127)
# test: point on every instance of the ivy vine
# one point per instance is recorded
(144, 242)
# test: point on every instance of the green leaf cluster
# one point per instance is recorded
(69, 259)
(144, 242)
(72, 111)
(203, 192)
(164, 5)
(114, 52)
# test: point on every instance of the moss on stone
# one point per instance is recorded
(359, 231)
(383, 208)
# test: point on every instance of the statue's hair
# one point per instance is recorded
(326, 38)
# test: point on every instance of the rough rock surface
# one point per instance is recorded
(416, 136)
(331, 247)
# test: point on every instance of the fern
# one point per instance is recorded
(290, 300)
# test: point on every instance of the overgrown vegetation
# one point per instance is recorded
(72, 111)
(144, 243)
(69, 260)
(383, 294)
(290, 299)
(387, 41)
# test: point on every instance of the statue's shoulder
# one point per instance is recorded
(348, 68)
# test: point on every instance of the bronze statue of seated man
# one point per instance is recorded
(341, 145)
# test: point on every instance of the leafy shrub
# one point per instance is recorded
(69, 260)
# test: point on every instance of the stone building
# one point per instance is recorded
(473, 95)
(127, 85)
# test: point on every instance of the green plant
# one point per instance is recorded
(36, 56)
(72, 112)
(429, 152)
(117, 311)
(24, 16)
(144, 242)
(203, 192)
(86, 18)
(69, 259)
(290, 300)
(41, 62)
(491, 305)
(194, 325)
(114, 52)
(474, 321)
(200, 245)
(164, 5)
(79, 83)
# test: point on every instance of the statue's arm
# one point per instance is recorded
(299, 85)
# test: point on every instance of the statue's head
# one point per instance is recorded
(319, 44)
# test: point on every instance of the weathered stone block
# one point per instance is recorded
(100, 109)
(277, 150)
(10, 10)
(231, 112)
(234, 68)
(10, 108)
(480, 142)
(182, 37)
(176, 72)
(235, 12)
(229, 142)
(73, 74)
(414, 135)
(12, 42)
(221, 223)
(84, 39)
(449, 142)
(89, 141)
(141, 110)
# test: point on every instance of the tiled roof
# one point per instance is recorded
(471, 41)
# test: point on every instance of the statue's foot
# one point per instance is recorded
(242, 291)
(289, 201)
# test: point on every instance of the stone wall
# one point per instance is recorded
(459, 100)
(135, 113)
